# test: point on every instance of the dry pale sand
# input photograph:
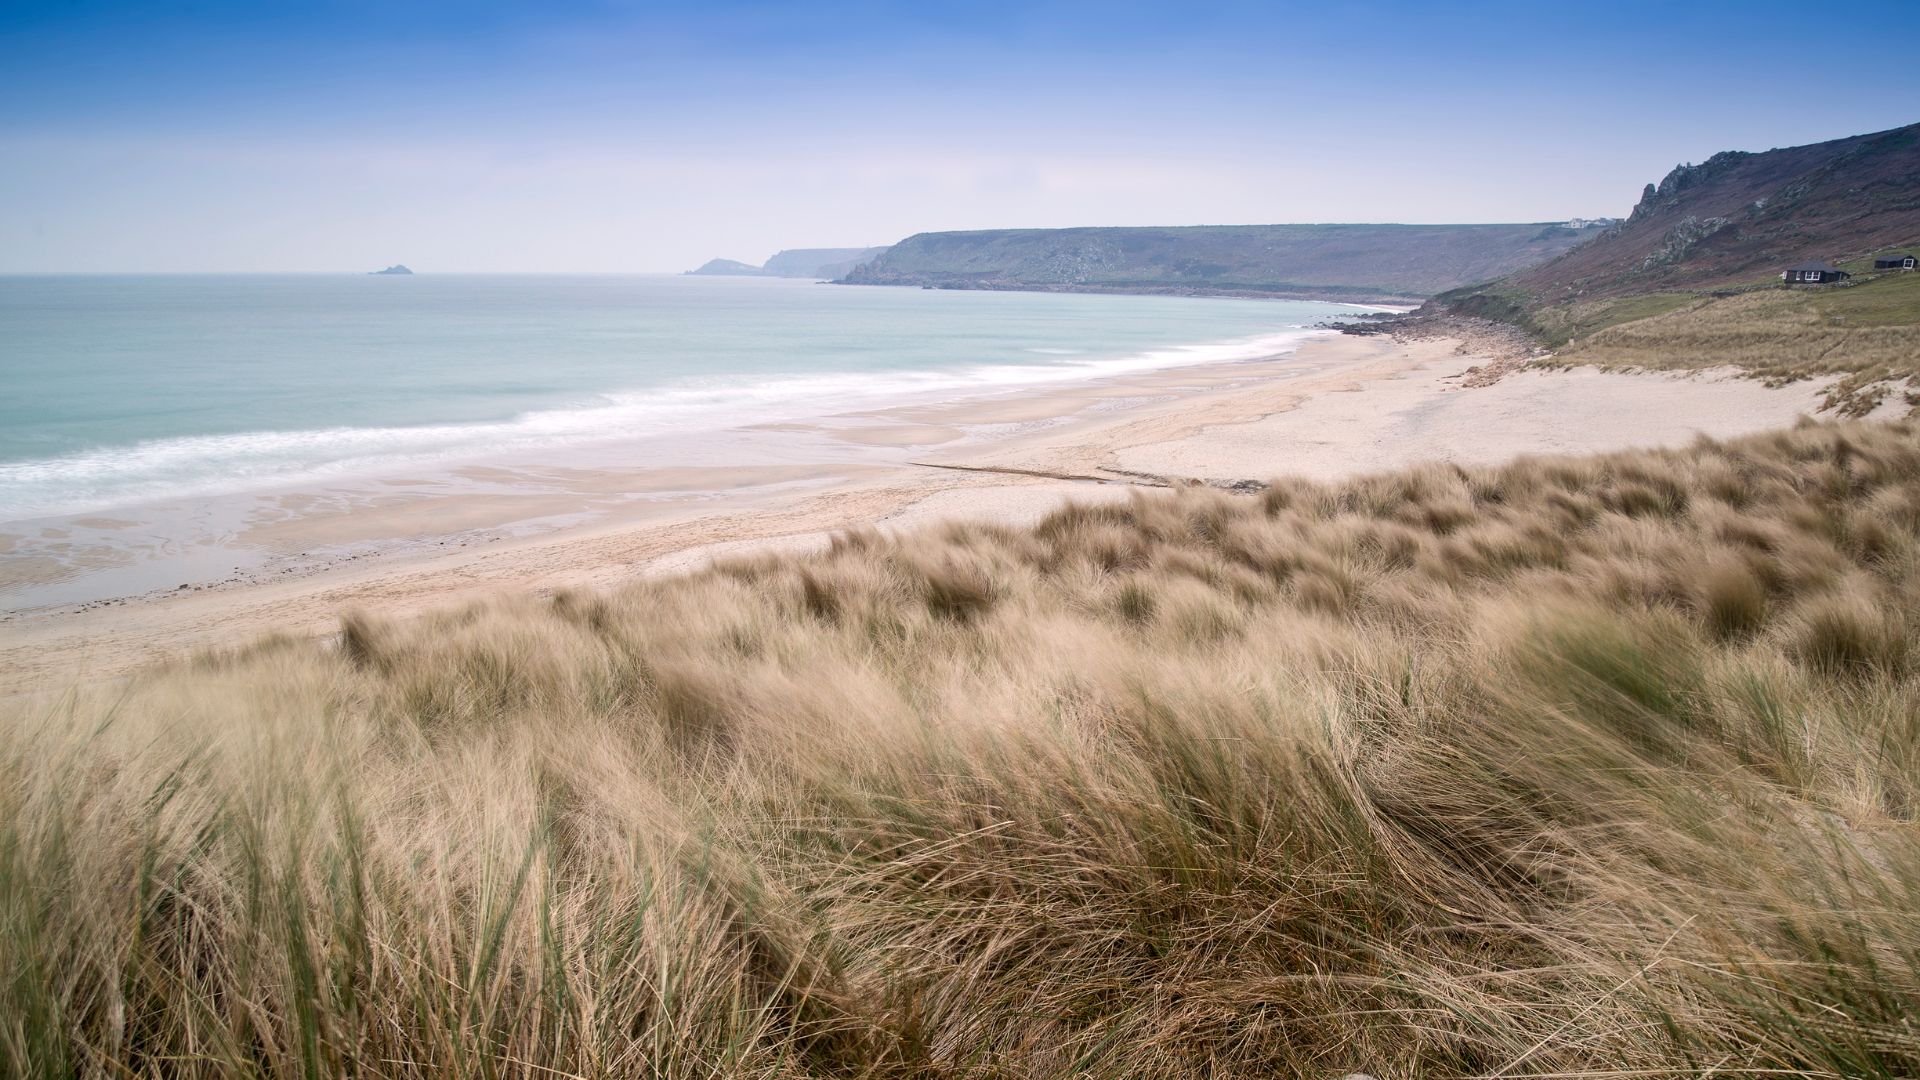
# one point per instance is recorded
(1421, 415)
(1337, 406)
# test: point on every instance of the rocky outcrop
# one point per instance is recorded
(727, 268)
(1681, 239)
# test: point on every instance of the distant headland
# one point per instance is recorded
(821, 264)
(396, 268)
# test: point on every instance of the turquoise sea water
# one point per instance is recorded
(115, 390)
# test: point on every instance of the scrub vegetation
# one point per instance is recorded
(1868, 333)
(1573, 767)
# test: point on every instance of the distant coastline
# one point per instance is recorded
(820, 264)
(1331, 294)
(1342, 263)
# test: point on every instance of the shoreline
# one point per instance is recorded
(108, 555)
(1337, 405)
(249, 537)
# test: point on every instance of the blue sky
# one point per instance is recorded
(628, 136)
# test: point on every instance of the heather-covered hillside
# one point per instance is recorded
(1741, 217)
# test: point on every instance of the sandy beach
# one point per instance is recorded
(1336, 406)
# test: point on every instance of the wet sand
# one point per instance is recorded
(293, 561)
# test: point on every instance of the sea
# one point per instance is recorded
(118, 391)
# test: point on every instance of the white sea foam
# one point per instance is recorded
(203, 465)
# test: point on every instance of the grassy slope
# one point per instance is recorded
(1868, 333)
(1576, 767)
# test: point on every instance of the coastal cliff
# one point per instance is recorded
(1325, 262)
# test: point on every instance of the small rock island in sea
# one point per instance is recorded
(396, 268)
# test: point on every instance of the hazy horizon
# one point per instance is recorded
(610, 138)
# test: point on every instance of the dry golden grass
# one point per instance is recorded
(1595, 767)
(1868, 334)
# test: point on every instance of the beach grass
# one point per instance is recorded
(1563, 325)
(1573, 767)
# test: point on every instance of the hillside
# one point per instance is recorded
(1348, 262)
(1737, 218)
(819, 263)
(1691, 279)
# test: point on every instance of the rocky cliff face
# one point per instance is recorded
(1359, 262)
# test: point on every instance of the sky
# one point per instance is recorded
(276, 135)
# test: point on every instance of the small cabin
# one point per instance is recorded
(1813, 273)
(1896, 261)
